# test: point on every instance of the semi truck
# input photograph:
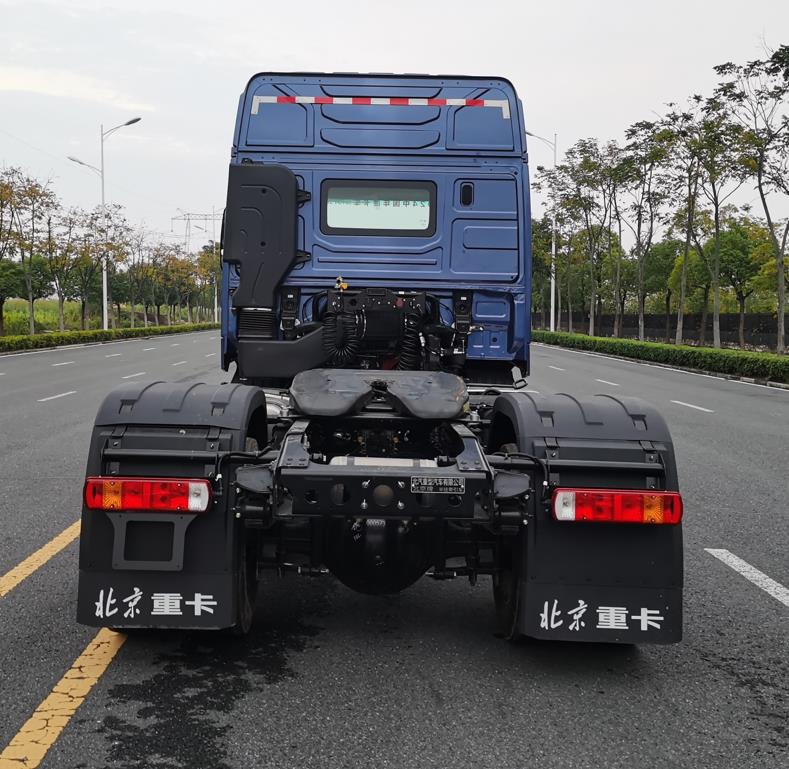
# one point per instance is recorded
(377, 424)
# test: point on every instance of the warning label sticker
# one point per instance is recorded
(430, 484)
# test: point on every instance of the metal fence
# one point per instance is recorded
(759, 327)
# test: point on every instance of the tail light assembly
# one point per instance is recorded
(165, 495)
(617, 506)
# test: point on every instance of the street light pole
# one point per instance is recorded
(100, 171)
(553, 145)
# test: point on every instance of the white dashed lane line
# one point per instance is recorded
(113, 355)
(209, 354)
(175, 344)
(556, 368)
(148, 349)
(64, 363)
(752, 574)
(606, 382)
(59, 395)
(130, 376)
(692, 406)
(180, 363)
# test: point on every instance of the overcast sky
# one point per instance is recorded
(582, 67)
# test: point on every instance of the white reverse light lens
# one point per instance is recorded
(198, 497)
(564, 506)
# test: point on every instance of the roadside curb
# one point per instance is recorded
(703, 372)
(37, 350)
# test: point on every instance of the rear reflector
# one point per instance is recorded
(165, 495)
(613, 506)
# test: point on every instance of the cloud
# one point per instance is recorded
(66, 85)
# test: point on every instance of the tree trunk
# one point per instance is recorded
(716, 283)
(703, 330)
(642, 300)
(2, 319)
(31, 311)
(741, 302)
(118, 308)
(592, 300)
(61, 312)
(133, 305)
(84, 313)
(668, 316)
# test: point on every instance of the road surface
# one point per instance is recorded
(329, 678)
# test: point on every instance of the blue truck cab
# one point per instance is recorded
(395, 234)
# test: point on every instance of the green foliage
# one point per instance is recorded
(30, 342)
(757, 365)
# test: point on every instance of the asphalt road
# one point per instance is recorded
(329, 678)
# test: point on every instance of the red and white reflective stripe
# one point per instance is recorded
(382, 101)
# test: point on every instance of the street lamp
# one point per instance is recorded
(100, 171)
(551, 144)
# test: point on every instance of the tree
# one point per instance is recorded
(682, 127)
(742, 255)
(11, 285)
(31, 204)
(87, 270)
(59, 248)
(756, 95)
(719, 155)
(583, 192)
(658, 273)
(541, 265)
(209, 269)
(645, 183)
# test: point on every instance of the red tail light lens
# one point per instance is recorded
(166, 495)
(612, 506)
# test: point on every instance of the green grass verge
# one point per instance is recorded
(757, 365)
(37, 341)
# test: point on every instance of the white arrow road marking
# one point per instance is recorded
(129, 376)
(691, 406)
(59, 395)
(752, 574)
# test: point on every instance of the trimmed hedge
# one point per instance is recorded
(757, 365)
(58, 338)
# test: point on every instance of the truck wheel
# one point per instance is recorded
(246, 587)
(507, 588)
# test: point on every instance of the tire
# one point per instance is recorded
(246, 586)
(507, 588)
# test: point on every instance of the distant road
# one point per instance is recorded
(329, 678)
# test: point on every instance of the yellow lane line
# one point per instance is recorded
(11, 579)
(31, 743)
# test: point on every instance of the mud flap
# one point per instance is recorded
(600, 582)
(166, 570)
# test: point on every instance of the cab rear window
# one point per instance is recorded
(388, 208)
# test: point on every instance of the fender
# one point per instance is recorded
(617, 579)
